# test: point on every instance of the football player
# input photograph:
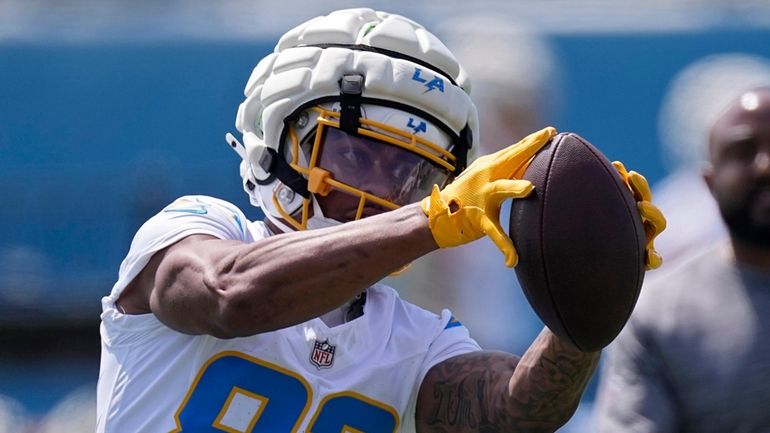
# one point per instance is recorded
(355, 130)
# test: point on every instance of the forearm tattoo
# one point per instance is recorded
(549, 380)
(498, 392)
(460, 393)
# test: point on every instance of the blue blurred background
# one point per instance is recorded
(110, 110)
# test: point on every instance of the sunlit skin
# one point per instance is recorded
(739, 174)
(228, 289)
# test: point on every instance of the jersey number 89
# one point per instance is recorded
(236, 393)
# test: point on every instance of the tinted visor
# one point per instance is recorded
(382, 169)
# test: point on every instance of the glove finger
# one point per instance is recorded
(652, 215)
(640, 186)
(621, 169)
(480, 163)
(649, 233)
(528, 145)
(502, 241)
(514, 156)
(624, 176)
(509, 188)
(652, 259)
(434, 203)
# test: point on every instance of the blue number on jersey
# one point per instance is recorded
(283, 398)
(284, 394)
(346, 411)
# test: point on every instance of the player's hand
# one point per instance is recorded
(469, 208)
(652, 218)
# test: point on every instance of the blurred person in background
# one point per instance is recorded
(695, 97)
(694, 356)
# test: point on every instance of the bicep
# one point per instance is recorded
(187, 293)
(466, 393)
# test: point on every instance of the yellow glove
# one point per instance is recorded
(652, 218)
(469, 208)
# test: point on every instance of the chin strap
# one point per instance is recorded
(271, 162)
(278, 224)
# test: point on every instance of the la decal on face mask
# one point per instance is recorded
(422, 126)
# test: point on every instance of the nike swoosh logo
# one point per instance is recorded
(197, 211)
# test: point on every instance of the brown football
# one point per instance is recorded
(580, 241)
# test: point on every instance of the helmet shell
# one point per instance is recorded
(403, 65)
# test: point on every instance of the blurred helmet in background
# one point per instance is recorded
(698, 95)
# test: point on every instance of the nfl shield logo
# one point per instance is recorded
(323, 354)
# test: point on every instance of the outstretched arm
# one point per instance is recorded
(225, 288)
(203, 285)
(499, 392)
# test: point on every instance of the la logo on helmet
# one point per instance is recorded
(435, 83)
(417, 127)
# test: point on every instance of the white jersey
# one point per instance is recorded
(363, 375)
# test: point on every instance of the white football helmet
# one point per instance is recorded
(353, 113)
